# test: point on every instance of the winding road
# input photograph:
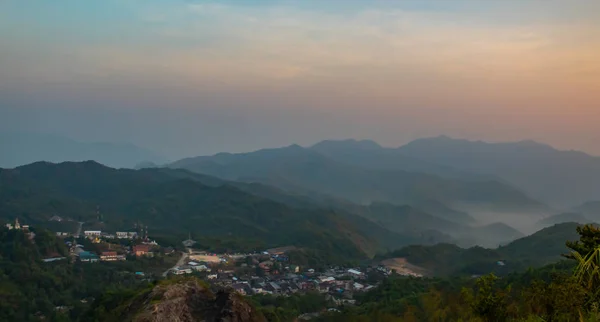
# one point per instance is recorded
(78, 233)
(179, 263)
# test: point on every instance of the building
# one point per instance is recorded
(182, 270)
(326, 279)
(90, 233)
(17, 225)
(127, 234)
(88, 257)
(201, 268)
(141, 250)
(55, 218)
(189, 242)
(111, 257)
(355, 273)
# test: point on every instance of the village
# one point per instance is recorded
(272, 272)
(266, 272)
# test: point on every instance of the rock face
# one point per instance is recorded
(189, 300)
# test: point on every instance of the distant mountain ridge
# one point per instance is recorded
(24, 148)
(538, 169)
(560, 178)
(301, 170)
(565, 217)
(591, 209)
(370, 155)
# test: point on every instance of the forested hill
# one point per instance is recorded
(175, 205)
(34, 290)
(297, 169)
(541, 248)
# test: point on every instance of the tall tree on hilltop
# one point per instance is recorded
(589, 240)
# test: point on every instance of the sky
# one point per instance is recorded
(187, 78)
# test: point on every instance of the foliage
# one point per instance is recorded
(542, 248)
(589, 239)
(31, 289)
(556, 292)
(279, 308)
(173, 204)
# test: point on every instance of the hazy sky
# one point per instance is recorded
(196, 77)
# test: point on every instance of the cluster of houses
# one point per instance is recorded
(340, 284)
(191, 267)
(279, 277)
(17, 226)
(82, 255)
(97, 235)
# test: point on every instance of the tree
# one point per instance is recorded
(489, 302)
(589, 240)
(588, 271)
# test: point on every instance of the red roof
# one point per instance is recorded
(109, 253)
(141, 248)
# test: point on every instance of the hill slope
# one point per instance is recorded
(560, 178)
(302, 171)
(370, 155)
(590, 209)
(563, 218)
(543, 247)
(170, 203)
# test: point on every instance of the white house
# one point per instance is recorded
(326, 279)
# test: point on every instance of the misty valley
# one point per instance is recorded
(327, 227)
(299, 160)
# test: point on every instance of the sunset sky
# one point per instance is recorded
(197, 77)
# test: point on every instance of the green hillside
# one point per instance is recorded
(543, 247)
(175, 205)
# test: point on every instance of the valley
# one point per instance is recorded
(280, 224)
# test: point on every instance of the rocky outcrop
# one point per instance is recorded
(189, 300)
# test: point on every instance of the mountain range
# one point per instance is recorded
(175, 202)
(306, 171)
(354, 197)
(559, 178)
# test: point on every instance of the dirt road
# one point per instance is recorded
(78, 233)
(179, 263)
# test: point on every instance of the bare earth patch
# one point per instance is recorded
(205, 258)
(403, 267)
